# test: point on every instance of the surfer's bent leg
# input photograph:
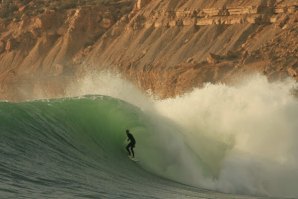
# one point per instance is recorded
(127, 148)
(131, 148)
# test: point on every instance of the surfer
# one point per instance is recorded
(131, 144)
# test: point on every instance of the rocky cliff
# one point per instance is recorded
(167, 47)
(171, 46)
(40, 39)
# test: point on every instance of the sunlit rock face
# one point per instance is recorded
(167, 47)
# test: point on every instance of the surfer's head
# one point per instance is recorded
(127, 131)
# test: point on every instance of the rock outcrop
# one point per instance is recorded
(227, 15)
(167, 47)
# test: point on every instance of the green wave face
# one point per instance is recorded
(75, 144)
(92, 127)
(86, 123)
(78, 144)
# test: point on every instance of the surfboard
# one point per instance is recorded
(133, 159)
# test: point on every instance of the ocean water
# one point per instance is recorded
(214, 142)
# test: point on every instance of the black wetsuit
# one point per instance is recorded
(131, 144)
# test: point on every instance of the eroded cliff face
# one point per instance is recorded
(39, 42)
(167, 47)
(171, 46)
